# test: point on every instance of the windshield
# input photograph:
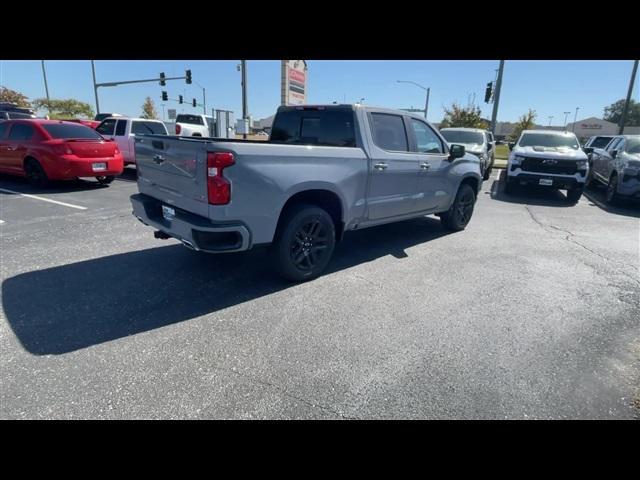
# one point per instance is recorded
(633, 145)
(600, 142)
(461, 136)
(549, 140)
(62, 130)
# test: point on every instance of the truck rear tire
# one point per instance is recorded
(304, 242)
(459, 215)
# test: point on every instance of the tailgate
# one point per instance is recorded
(173, 170)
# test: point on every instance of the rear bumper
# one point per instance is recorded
(65, 168)
(194, 231)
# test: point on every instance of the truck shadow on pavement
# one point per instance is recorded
(70, 307)
(529, 195)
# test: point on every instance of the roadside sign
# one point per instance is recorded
(172, 113)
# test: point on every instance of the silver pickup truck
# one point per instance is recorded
(325, 170)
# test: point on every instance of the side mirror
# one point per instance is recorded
(511, 145)
(614, 154)
(456, 151)
(588, 150)
(489, 146)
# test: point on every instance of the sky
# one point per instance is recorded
(548, 87)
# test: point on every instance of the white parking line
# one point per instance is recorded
(36, 197)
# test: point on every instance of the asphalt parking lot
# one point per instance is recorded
(532, 312)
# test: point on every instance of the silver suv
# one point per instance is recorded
(476, 141)
(617, 166)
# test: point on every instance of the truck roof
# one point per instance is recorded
(352, 106)
(480, 130)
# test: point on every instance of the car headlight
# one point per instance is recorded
(582, 164)
(517, 159)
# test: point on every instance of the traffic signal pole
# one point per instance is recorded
(623, 118)
(496, 98)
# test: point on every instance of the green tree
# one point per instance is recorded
(613, 113)
(149, 109)
(525, 122)
(8, 95)
(458, 116)
(64, 108)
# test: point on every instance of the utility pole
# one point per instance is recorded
(575, 119)
(550, 118)
(244, 93)
(426, 105)
(46, 88)
(204, 99)
(623, 118)
(496, 98)
(95, 86)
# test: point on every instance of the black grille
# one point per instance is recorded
(543, 165)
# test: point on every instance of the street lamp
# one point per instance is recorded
(566, 114)
(427, 89)
(575, 119)
(550, 118)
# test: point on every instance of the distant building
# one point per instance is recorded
(596, 126)
(263, 124)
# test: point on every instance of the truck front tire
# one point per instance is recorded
(304, 242)
(459, 215)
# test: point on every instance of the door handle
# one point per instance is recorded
(158, 159)
(425, 166)
(380, 166)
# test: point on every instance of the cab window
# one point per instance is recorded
(426, 139)
(106, 127)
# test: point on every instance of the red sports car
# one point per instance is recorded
(44, 150)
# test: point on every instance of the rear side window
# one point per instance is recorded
(192, 119)
(389, 132)
(106, 127)
(331, 128)
(614, 144)
(3, 129)
(65, 130)
(121, 127)
(21, 131)
(148, 128)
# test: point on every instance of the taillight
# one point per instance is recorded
(218, 187)
(62, 149)
(178, 129)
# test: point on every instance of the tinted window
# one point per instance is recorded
(462, 136)
(192, 119)
(389, 132)
(549, 140)
(21, 131)
(64, 130)
(3, 128)
(106, 127)
(148, 128)
(121, 127)
(334, 128)
(613, 145)
(633, 145)
(426, 139)
(600, 142)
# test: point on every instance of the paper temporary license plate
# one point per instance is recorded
(545, 181)
(97, 167)
(168, 213)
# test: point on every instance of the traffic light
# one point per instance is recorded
(179, 98)
(165, 97)
(188, 74)
(488, 91)
(194, 102)
(162, 81)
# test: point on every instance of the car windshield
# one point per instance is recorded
(62, 130)
(633, 145)
(549, 140)
(600, 142)
(461, 136)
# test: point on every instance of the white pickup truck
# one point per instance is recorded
(193, 125)
(123, 131)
